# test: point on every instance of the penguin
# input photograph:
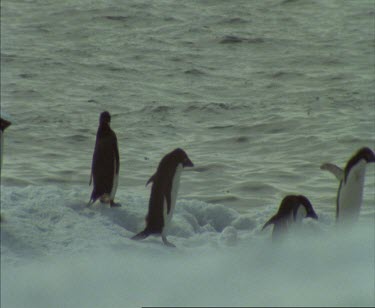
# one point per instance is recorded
(350, 192)
(293, 209)
(105, 163)
(3, 125)
(165, 184)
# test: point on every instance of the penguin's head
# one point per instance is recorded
(308, 207)
(181, 158)
(367, 154)
(364, 154)
(105, 118)
(4, 124)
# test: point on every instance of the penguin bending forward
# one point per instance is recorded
(105, 163)
(292, 210)
(350, 192)
(165, 184)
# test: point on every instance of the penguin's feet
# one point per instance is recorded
(105, 198)
(167, 243)
(113, 204)
(140, 236)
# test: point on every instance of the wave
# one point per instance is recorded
(234, 39)
(194, 72)
(70, 252)
(117, 18)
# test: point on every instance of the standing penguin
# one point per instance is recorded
(105, 163)
(292, 210)
(165, 184)
(3, 125)
(350, 192)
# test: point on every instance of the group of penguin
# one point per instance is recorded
(165, 183)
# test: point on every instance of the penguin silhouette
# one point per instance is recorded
(165, 184)
(105, 163)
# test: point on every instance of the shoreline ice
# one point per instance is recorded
(55, 252)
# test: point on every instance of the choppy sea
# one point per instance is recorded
(258, 93)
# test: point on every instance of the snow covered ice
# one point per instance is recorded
(58, 253)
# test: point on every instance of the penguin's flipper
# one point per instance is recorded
(151, 179)
(335, 170)
(92, 200)
(269, 222)
(166, 242)
(141, 235)
(167, 199)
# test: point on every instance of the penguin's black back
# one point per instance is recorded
(289, 206)
(155, 219)
(105, 161)
(162, 182)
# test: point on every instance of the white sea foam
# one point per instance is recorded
(57, 253)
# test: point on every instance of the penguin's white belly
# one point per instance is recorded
(280, 229)
(301, 214)
(350, 193)
(291, 222)
(174, 190)
(114, 184)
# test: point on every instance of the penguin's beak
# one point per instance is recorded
(187, 163)
(312, 215)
